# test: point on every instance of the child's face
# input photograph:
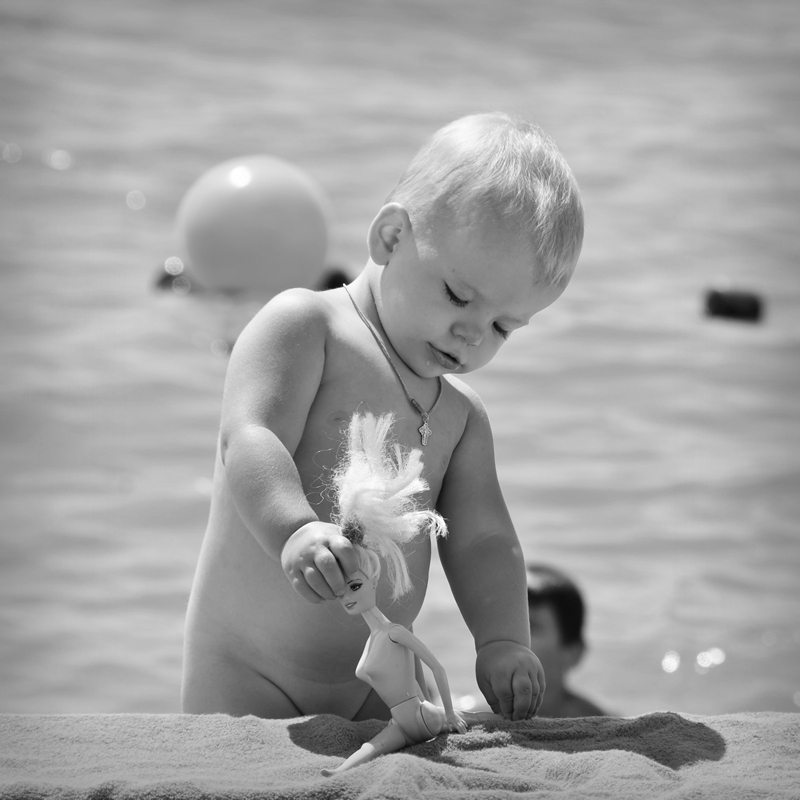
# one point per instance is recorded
(449, 303)
(359, 595)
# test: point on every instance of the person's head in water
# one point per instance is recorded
(557, 615)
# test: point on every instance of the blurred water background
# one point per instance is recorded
(650, 451)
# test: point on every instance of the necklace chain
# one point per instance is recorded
(425, 431)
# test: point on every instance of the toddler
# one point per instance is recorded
(482, 231)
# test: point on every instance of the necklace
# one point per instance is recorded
(425, 431)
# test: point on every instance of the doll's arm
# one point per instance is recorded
(403, 636)
(485, 568)
(421, 681)
(273, 377)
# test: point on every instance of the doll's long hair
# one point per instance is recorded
(375, 485)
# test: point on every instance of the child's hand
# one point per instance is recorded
(511, 679)
(316, 559)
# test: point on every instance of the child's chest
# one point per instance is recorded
(360, 381)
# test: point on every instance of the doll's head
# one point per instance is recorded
(361, 592)
(369, 562)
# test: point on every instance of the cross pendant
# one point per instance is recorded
(425, 431)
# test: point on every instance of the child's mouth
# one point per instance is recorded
(444, 359)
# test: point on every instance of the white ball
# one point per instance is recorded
(254, 223)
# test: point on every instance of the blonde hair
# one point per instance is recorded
(494, 168)
(375, 485)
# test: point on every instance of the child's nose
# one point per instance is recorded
(470, 332)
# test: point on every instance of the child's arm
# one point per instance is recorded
(273, 377)
(484, 564)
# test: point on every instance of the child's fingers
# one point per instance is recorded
(498, 695)
(505, 702)
(330, 582)
(316, 559)
(485, 685)
(542, 686)
(525, 694)
(300, 583)
(516, 697)
(345, 554)
(511, 679)
(318, 583)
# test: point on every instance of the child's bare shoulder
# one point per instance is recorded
(469, 401)
(293, 314)
(475, 442)
(297, 306)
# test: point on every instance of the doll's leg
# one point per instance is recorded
(433, 717)
(389, 740)
(417, 724)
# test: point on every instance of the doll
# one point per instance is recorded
(375, 489)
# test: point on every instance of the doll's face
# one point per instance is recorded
(360, 593)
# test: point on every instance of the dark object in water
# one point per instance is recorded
(173, 275)
(744, 306)
(332, 278)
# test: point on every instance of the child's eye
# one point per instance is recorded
(502, 331)
(454, 298)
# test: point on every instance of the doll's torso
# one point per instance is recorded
(387, 667)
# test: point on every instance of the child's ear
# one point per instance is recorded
(391, 223)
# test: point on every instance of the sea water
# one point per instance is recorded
(650, 451)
